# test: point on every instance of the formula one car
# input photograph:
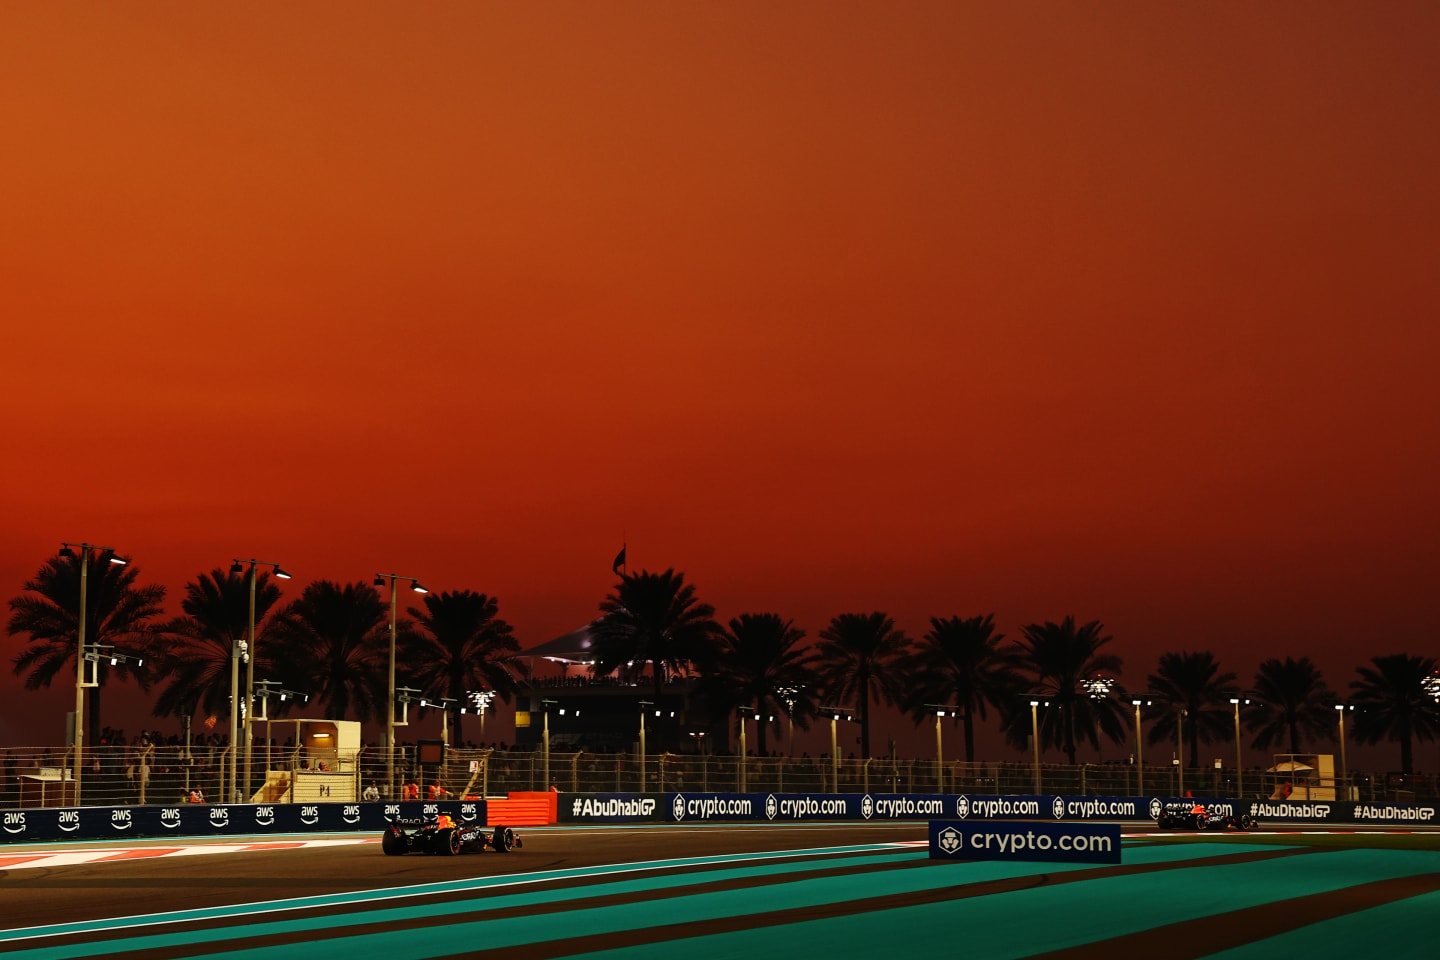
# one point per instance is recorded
(442, 835)
(1196, 817)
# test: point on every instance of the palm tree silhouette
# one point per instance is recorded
(333, 642)
(1394, 705)
(964, 663)
(1297, 702)
(464, 646)
(198, 644)
(652, 618)
(1059, 658)
(1192, 682)
(758, 662)
(861, 656)
(117, 612)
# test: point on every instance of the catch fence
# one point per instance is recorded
(164, 774)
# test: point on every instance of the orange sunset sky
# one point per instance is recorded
(1120, 310)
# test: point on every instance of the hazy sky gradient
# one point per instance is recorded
(1120, 310)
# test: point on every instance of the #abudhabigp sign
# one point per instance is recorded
(1010, 840)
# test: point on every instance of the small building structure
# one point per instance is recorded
(1310, 776)
(46, 787)
(321, 763)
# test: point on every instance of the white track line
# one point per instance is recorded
(31, 859)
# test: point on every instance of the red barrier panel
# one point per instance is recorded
(523, 809)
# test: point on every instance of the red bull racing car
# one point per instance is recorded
(444, 836)
(1196, 816)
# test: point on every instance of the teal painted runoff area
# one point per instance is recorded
(1008, 924)
(1403, 930)
(1026, 922)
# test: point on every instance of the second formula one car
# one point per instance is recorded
(1196, 817)
(444, 836)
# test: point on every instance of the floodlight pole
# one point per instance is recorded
(1139, 751)
(1239, 769)
(236, 566)
(231, 794)
(1180, 745)
(643, 705)
(1340, 709)
(545, 735)
(835, 713)
(380, 580)
(85, 550)
(1035, 739)
(941, 710)
(80, 672)
(740, 713)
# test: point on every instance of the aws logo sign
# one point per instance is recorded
(170, 818)
(13, 822)
(69, 820)
(220, 817)
(310, 815)
(120, 819)
(351, 813)
(265, 816)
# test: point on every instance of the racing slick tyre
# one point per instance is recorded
(1246, 822)
(1201, 823)
(503, 841)
(447, 842)
(393, 843)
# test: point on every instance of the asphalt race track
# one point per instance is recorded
(120, 888)
(851, 890)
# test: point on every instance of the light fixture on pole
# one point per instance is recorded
(545, 706)
(380, 581)
(742, 713)
(941, 710)
(239, 650)
(643, 704)
(1239, 769)
(264, 690)
(790, 693)
(443, 705)
(1180, 746)
(68, 550)
(98, 653)
(480, 700)
(836, 715)
(1035, 737)
(1431, 685)
(1340, 709)
(239, 566)
(1139, 749)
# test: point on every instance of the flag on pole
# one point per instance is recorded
(619, 560)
